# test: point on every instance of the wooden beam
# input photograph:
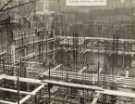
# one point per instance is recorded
(2, 76)
(32, 62)
(1, 53)
(96, 38)
(74, 85)
(51, 70)
(83, 69)
(109, 51)
(38, 89)
(29, 55)
(90, 87)
(33, 93)
(117, 93)
(96, 98)
(6, 102)
(15, 91)
(24, 99)
(21, 79)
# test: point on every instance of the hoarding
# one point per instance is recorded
(86, 2)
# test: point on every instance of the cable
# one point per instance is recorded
(6, 4)
(16, 6)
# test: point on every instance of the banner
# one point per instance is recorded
(86, 2)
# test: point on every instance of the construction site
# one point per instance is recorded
(67, 51)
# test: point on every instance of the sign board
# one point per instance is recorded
(86, 2)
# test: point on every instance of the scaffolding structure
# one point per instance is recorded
(44, 60)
